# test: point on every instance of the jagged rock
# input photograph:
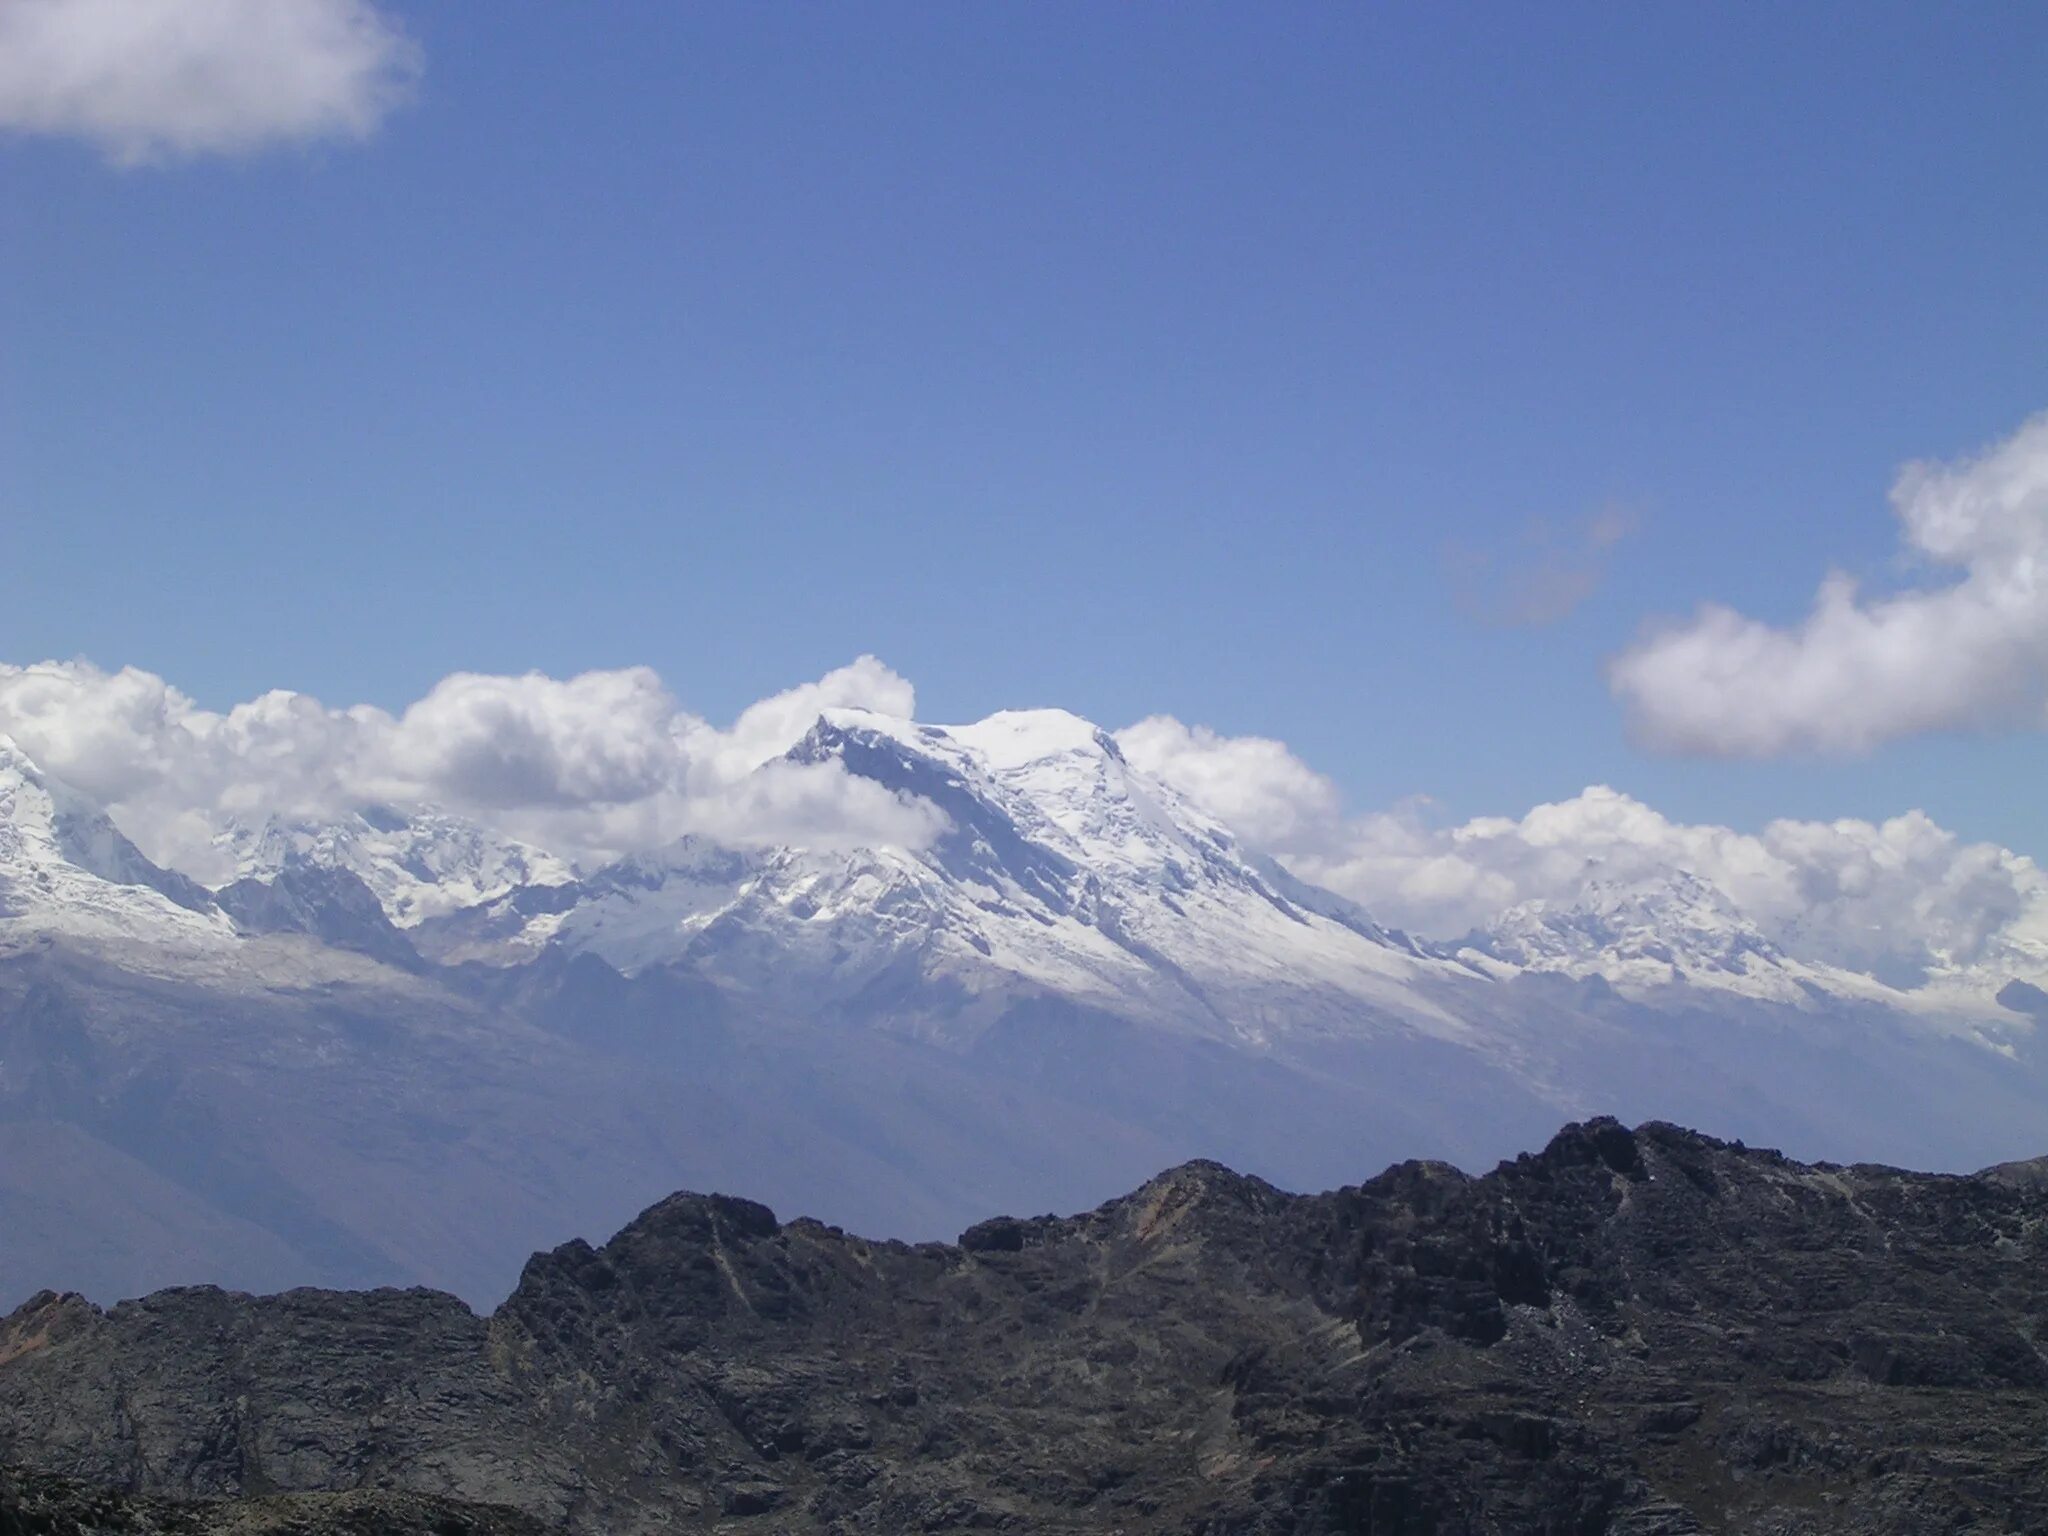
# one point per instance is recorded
(330, 904)
(1635, 1333)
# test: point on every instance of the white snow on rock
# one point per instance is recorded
(1063, 873)
(418, 864)
(66, 869)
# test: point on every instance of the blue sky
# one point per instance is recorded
(1136, 359)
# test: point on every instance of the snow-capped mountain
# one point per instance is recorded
(1063, 872)
(1673, 929)
(1655, 932)
(1674, 934)
(419, 864)
(65, 867)
(1674, 926)
(399, 1047)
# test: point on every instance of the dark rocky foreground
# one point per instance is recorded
(33, 1504)
(1644, 1332)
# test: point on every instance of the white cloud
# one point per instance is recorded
(608, 762)
(1891, 897)
(536, 741)
(772, 726)
(1859, 671)
(1253, 784)
(148, 79)
(589, 766)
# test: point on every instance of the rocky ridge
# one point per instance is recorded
(35, 1504)
(354, 1065)
(1643, 1333)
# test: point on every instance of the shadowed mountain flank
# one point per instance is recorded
(1638, 1332)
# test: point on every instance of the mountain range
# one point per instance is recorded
(401, 1047)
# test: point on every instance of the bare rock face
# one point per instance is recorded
(1643, 1333)
(35, 1504)
(331, 905)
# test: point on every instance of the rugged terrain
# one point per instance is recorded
(34, 1504)
(1639, 1332)
(402, 1048)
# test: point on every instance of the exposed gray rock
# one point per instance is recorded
(1646, 1332)
(34, 1504)
(329, 904)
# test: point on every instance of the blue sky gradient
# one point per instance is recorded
(1134, 359)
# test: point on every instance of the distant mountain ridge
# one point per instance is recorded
(1062, 873)
(419, 864)
(400, 1047)
(1048, 828)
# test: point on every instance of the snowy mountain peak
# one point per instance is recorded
(419, 864)
(1060, 872)
(15, 763)
(1042, 799)
(1016, 738)
(64, 865)
(1007, 740)
(1673, 926)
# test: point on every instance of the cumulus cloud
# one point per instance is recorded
(149, 79)
(1543, 579)
(1861, 670)
(1892, 898)
(602, 738)
(589, 766)
(769, 728)
(1253, 784)
(609, 762)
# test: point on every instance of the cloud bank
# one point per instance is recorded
(608, 763)
(589, 766)
(153, 79)
(1860, 671)
(1892, 898)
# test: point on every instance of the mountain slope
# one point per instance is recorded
(65, 867)
(418, 864)
(326, 902)
(1636, 1332)
(1674, 929)
(1081, 978)
(1062, 873)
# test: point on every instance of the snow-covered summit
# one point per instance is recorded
(65, 867)
(1651, 932)
(1675, 922)
(1061, 871)
(419, 864)
(1052, 868)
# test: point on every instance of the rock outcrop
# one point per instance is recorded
(1642, 1333)
(35, 1504)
